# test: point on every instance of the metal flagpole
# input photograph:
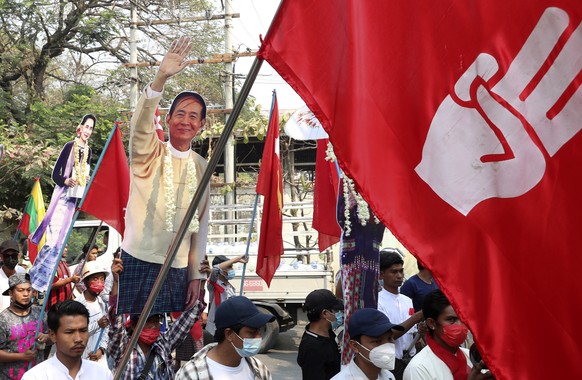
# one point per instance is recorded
(205, 180)
(242, 280)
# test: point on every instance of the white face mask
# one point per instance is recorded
(383, 356)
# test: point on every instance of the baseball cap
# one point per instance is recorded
(9, 245)
(240, 310)
(321, 299)
(219, 259)
(370, 322)
(16, 279)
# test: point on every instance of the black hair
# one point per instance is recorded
(389, 258)
(189, 94)
(419, 266)
(219, 333)
(89, 116)
(87, 246)
(68, 307)
(434, 304)
(314, 315)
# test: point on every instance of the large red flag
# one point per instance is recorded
(270, 185)
(459, 121)
(107, 196)
(325, 193)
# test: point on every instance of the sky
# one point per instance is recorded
(255, 18)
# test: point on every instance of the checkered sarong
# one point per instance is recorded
(137, 281)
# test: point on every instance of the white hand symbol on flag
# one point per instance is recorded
(479, 144)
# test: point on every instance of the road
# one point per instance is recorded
(282, 359)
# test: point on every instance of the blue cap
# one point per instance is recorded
(240, 310)
(370, 322)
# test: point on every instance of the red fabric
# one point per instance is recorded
(325, 199)
(107, 197)
(218, 290)
(270, 185)
(158, 125)
(456, 362)
(377, 84)
(63, 293)
(196, 330)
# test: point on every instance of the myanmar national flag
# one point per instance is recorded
(32, 217)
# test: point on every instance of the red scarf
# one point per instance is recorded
(456, 362)
(218, 290)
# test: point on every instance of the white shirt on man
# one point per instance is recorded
(427, 366)
(398, 308)
(223, 372)
(353, 372)
(53, 369)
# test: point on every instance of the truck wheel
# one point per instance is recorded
(269, 333)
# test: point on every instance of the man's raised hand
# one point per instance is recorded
(174, 61)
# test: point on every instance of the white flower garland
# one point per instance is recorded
(80, 170)
(169, 196)
(349, 192)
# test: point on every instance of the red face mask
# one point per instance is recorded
(96, 287)
(149, 336)
(454, 335)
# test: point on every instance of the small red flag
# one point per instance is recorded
(325, 194)
(158, 125)
(270, 185)
(107, 197)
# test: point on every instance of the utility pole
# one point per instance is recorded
(229, 158)
(133, 57)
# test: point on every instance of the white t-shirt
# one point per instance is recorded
(223, 372)
(427, 366)
(397, 308)
(353, 372)
(53, 369)
(5, 300)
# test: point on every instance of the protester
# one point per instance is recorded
(372, 341)
(164, 179)
(398, 308)
(68, 328)
(153, 352)
(90, 252)
(218, 285)
(18, 324)
(93, 277)
(10, 251)
(418, 286)
(443, 359)
(71, 175)
(238, 336)
(319, 356)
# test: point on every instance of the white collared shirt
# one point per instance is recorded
(53, 369)
(353, 372)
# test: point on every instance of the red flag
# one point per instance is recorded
(158, 125)
(325, 199)
(107, 197)
(270, 185)
(459, 123)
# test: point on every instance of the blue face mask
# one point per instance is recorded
(339, 320)
(230, 274)
(251, 346)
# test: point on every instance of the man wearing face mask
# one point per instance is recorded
(93, 276)
(153, 354)
(372, 341)
(443, 359)
(218, 285)
(319, 356)
(237, 337)
(10, 253)
(18, 325)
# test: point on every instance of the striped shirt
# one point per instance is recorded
(63, 293)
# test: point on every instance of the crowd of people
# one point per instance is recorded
(414, 334)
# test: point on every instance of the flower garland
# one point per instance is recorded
(80, 171)
(350, 194)
(169, 196)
